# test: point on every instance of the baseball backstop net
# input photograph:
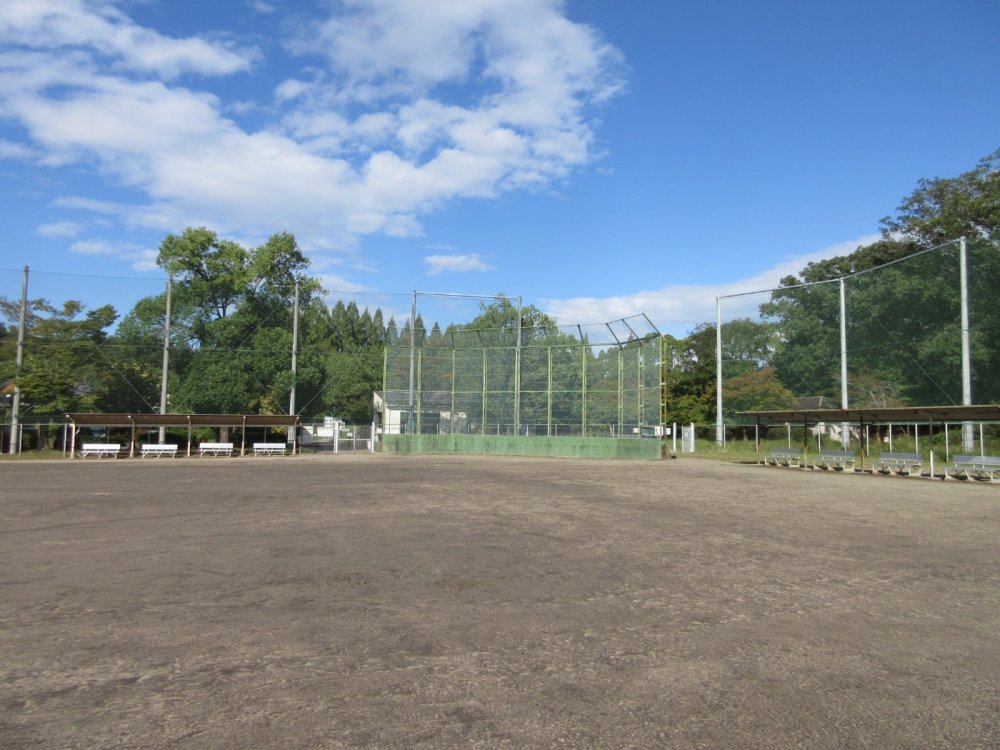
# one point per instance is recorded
(580, 382)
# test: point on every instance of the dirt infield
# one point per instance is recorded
(457, 602)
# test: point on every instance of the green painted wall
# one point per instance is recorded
(562, 447)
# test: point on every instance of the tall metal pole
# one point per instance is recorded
(413, 359)
(720, 430)
(963, 272)
(845, 433)
(548, 396)
(15, 407)
(517, 372)
(295, 350)
(166, 356)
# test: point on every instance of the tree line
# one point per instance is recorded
(904, 320)
(232, 308)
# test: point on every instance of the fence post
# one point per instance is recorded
(548, 393)
(720, 430)
(15, 407)
(963, 272)
(845, 433)
(621, 394)
(583, 373)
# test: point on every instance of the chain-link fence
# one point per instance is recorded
(554, 384)
(917, 331)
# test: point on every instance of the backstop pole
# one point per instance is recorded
(413, 359)
(845, 433)
(15, 407)
(720, 430)
(166, 357)
(295, 350)
(517, 372)
(963, 272)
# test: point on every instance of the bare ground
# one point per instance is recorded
(457, 602)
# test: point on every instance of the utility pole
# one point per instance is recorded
(166, 358)
(963, 272)
(413, 359)
(15, 408)
(295, 349)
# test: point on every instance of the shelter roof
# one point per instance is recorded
(975, 413)
(177, 420)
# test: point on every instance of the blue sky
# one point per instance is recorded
(596, 158)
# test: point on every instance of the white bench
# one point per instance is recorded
(980, 467)
(835, 460)
(101, 450)
(215, 449)
(269, 449)
(158, 451)
(784, 457)
(901, 463)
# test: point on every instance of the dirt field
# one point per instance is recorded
(458, 602)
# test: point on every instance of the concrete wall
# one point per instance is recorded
(565, 447)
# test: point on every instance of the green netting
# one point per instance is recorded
(482, 383)
(782, 349)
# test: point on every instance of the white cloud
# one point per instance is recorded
(679, 308)
(366, 145)
(291, 89)
(456, 263)
(60, 24)
(261, 7)
(136, 256)
(9, 150)
(60, 229)
(93, 247)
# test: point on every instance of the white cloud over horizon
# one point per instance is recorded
(458, 263)
(360, 142)
(677, 309)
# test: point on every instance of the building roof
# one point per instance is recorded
(183, 420)
(973, 413)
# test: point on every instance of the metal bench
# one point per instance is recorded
(978, 467)
(835, 460)
(101, 450)
(269, 449)
(784, 457)
(900, 463)
(215, 449)
(158, 450)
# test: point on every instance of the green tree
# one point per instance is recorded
(235, 306)
(940, 210)
(755, 390)
(66, 364)
(903, 318)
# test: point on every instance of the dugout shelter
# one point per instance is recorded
(138, 422)
(930, 415)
